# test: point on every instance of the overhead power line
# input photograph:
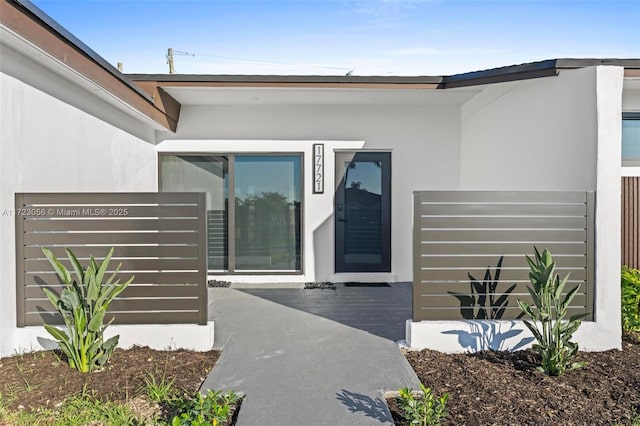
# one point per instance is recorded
(171, 53)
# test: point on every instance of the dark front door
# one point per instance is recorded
(363, 212)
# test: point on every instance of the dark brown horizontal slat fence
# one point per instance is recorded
(470, 247)
(160, 238)
(631, 222)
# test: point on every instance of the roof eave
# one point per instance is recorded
(31, 24)
(546, 68)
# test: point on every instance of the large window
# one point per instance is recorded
(259, 229)
(631, 139)
(267, 212)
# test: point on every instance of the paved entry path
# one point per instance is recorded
(298, 368)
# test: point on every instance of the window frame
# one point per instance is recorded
(231, 252)
(630, 162)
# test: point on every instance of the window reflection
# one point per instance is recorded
(207, 174)
(267, 225)
(267, 198)
(363, 212)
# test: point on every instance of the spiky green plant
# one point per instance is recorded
(549, 326)
(83, 303)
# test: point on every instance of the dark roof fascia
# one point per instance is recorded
(498, 75)
(280, 79)
(63, 33)
(628, 63)
(545, 68)
(525, 71)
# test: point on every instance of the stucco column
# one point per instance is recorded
(607, 331)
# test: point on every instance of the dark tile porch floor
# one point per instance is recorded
(382, 311)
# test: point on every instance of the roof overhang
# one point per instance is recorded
(158, 97)
(33, 33)
(183, 87)
(301, 96)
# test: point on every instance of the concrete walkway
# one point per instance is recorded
(298, 368)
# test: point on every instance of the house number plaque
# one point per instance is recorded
(318, 168)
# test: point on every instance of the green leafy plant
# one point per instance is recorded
(550, 328)
(630, 293)
(209, 409)
(422, 408)
(83, 303)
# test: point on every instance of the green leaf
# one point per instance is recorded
(104, 265)
(536, 298)
(96, 322)
(93, 289)
(76, 265)
(570, 328)
(577, 365)
(70, 300)
(111, 343)
(569, 297)
(53, 298)
(533, 329)
(60, 269)
(527, 310)
(57, 334)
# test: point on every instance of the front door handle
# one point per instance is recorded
(340, 211)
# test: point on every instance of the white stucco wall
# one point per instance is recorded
(424, 142)
(531, 134)
(631, 99)
(560, 133)
(49, 145)
(551, 133)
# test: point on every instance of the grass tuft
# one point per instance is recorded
(158, 389)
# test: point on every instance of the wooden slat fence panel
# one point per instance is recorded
(470, 248)
(160, 238)
(631, 221)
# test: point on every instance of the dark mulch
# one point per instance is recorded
(499, 388)
(43, 379)
(503, 388)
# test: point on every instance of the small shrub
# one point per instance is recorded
(83, 304)
(209, 409)
(422, 408)
(630, 293)
(549, 326)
